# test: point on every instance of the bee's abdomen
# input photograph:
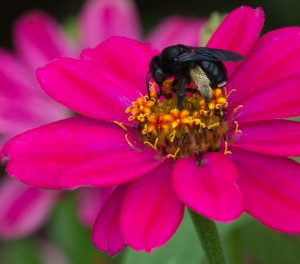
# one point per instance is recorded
(215, 71)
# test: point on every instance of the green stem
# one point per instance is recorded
(209, 237)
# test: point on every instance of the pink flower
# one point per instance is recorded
(105, 18)
(23, 209)
(38, 40)
(161, 161)
(24, 105)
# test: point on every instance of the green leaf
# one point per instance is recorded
(226, 229)
(210, 27)
(70, 25)
(184, 247)
(70, 236)
(256, 243)
(21, 251)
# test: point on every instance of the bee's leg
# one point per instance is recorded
(181, 94)
(160, 93)
(174, 85)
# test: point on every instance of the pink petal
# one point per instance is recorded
(124, 58)
(107, 234)
(238, 32)
(16, 79)
(40, 156)
(210, 189)
(23, 209)
(87, 90)
(151, 212)
(176, 30)
(39, 39)
(279, 99)
(101, 19)
(275, 56)
(90, 202)
(17, 95)
(18, 115)
(271, 187)
(111, 169)
(276, 137)
(22, 100)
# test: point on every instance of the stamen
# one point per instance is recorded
(121, 125)
(227, 95)
(217, 93)
(145, 130)
(234, 113)
(237, 108)
(142, 117)
(197, 121)
(221, 101)
(213, 126)
(173, 155)
(197, 128)
(154, 146)
(237, 127)
(129, 143)
(226, 151)
(173, 135)
(225, 92)
(236, 131)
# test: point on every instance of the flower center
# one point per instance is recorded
(196, 129)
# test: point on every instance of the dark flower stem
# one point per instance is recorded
(209, 237)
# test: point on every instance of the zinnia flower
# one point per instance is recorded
(24, 106)
(38, 40)
(220, 160)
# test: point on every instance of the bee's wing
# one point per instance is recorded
(209, 54)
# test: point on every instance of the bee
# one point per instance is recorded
(201, 65)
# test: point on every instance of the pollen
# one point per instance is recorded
(196, 129)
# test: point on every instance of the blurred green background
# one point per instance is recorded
(246, 241)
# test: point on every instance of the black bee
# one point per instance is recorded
(201, 65)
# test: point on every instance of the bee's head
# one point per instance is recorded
(170, 54)
(158, 71)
